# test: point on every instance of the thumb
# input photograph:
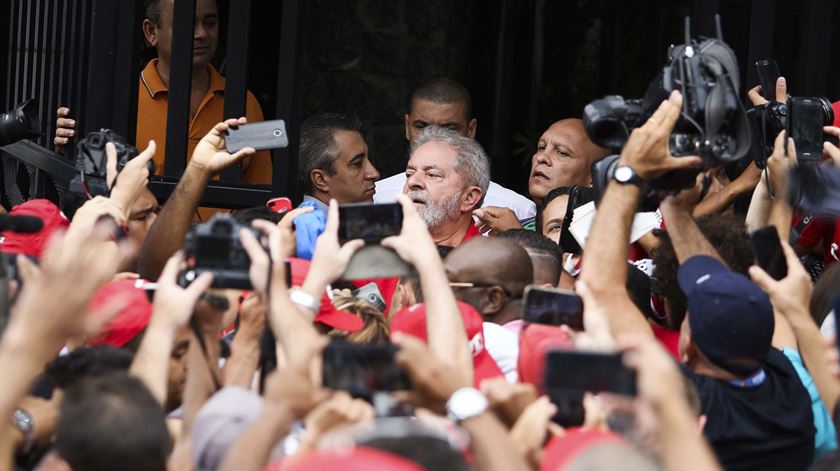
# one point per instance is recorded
(479, 213)
(762, 279)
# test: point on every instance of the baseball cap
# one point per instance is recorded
(131, 320)
(353, 459)
(729, 315)
(220, 422)
(535, 341)
(412, 321)
(34, 244)
(328, 314)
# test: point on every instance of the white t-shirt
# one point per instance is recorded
(503, 346)
(387, 190)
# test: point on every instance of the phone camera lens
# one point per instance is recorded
(278, 133)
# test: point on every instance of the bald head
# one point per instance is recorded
(491, 261)
(564, 158)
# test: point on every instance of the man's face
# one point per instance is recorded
(142, 215)
(176, 378)
(434, 185)
(355, 175)
(205, 34)
(563, 158)
(552, 217)
(446, 115)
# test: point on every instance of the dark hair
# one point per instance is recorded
(248, 215)
(112, 422)
(551, 196)
(727, 234)
(442, 90)
(823, 295)
(429, 452)
(88, 362)
(638, 287)
(540, 245)
(317, 144)
(153, 8)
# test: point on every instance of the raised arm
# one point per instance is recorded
(166, 236)
(604, 268)
(686, 237)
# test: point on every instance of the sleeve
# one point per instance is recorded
(826, 438)
(812, 233)
(256, 169)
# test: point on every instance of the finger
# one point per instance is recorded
(65, 123)
(332, 219)
(409, 211)
(792, 259)
(755, 96)
(661, 112)
(265, 227)
(252, 247)
(62, 112)
(347, 250)
(672, 113)
(687, 162)
(27, 269)
(479, 213)
(781, 90)
(170, 270)
(289, 218)
(111, 162)
(146, 155)
(199, 286)
(64, 132)
(61, 141)
(246, 152)
(791, 150)
(762, 279)
(833, 130)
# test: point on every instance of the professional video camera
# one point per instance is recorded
(712, 125)
(92, 160)
(21, 122)
(214, 247)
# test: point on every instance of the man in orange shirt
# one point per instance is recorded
(207, 98)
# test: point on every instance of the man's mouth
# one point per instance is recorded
(539, 174)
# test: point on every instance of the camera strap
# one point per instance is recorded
(796, 231)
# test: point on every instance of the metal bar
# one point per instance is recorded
(29, 153)
(180, 85)
(703, 17)
(237, 71)
(816, 46)
(218, 194)
(288, 94)
(101, 66)
(51, 100)
(762, 21)
(126, 69)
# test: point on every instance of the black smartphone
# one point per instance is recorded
(769, 254)
(362, 369)
(568, 370)
(806, 118)
(369, 222)
(768, 75)
(264, 135)
(553, 307)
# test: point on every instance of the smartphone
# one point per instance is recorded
(553, 307)
(768, 75)
(263, 135)
(362, 369)
(806, 118)
(815, 189)
(769, 254)
(568, 370)
(279, 205)
(369, 222)
(371, 294)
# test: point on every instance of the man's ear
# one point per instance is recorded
(407, 124)
(494, 300)
(320, 180)
(470, 199)
(150, 32)
(472, 128)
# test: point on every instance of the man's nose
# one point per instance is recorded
(371, 173)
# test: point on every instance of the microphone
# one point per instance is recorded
(22, 224)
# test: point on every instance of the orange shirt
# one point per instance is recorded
(152, 102)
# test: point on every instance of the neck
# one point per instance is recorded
(451, 233)
(713, 371)
(200, 75)
(511, 312)
(321, 196)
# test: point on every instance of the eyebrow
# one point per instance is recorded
(550, 221)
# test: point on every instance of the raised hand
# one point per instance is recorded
(65, 128)
(133, 178)
(211, 155)
(496, 219)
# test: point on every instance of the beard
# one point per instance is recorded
(435, 214)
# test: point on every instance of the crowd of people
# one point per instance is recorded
(115, 360)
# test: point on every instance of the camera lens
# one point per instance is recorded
(20, 123)
(278, 133)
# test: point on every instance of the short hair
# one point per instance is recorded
(823, 294)
(535, 242)
(318, 149)
(442, 90)
(549, 197)
(248, 215)
(153, 8)
(112, 422)
(88, 362)
(471, 161)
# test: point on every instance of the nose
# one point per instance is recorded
(371, 173)
(200, 32)
(541, 157)
(414, 182)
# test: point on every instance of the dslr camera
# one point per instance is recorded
(214, 247)
(712, 125)
(92, 160)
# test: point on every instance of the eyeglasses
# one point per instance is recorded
(468, 285)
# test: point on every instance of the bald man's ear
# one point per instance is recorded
(320, 180)
(150, 32)
(494, 300)
(471, 199)
(472, 128)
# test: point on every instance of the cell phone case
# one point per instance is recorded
(264, 135)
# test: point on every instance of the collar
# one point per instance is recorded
(318, 203)
(751, 382)
(471, 232)
(151, 80)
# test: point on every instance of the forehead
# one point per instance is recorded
(349, 143)
(567, 132)
(556, 208)
(202, 8)
(435, 154)
(438, 113)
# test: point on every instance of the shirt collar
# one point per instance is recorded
(150, 78)
(318, 203)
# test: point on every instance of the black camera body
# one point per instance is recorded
(214, 247)
(92, 161)
(771, 118)
(712, 125)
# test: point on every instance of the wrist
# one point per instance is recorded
(199, 169)
(465, 404)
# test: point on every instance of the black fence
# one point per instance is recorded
(87, 55)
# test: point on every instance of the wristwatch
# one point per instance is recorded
(465, 404)
(22, 420)
(305, 300)
(625, 175)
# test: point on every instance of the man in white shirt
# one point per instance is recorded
(445, 103)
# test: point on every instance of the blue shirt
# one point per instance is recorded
(826, 438)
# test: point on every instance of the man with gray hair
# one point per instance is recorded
(447, 178)
(333, 161)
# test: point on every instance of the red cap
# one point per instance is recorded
(535, 341)
(33, 244)
(131, 320)
(355, 459)
(562, 451)
(328, 314)
(412, 321)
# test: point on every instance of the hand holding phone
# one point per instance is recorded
(553, 307)
(363, 369)
(769, 254)
(806, 119)
(768, 75)
(369, 222)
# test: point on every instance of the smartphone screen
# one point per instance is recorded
(553, 307)
(806, 119)
(369, 222)
(362, 370)
(588, 371)
(768, 74)
(768, 252)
